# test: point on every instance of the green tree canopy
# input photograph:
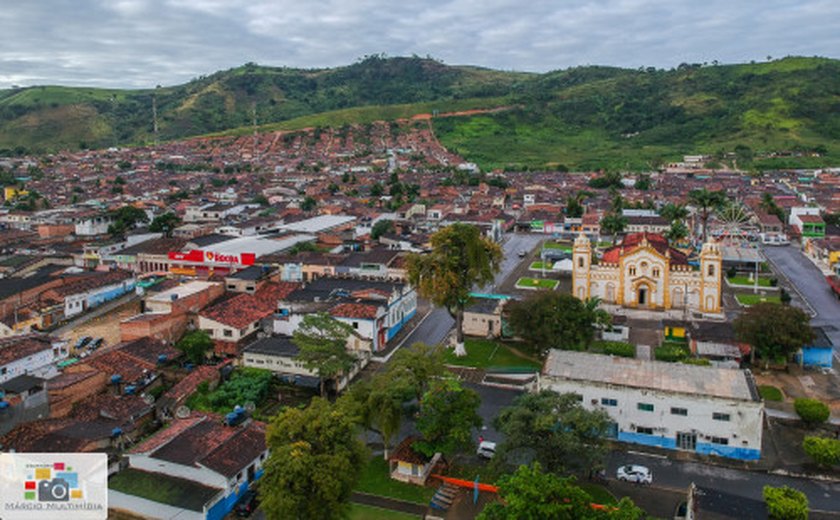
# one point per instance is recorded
(613, 224)
(531, 494)
(308, 204)
(195, 345)
(126, 218)
(811, 411)
(322, 341)
(165, 223)
(822, 450)
(677, 231)
(774, 331)
(549, 319)
(460, 259)
(672, 212)
(560, 433)
(448, 415)
(416, 367)
(380, 228)
(315, 460)
(785, 503)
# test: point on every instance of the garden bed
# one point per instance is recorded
(744, 282)
(484, 353)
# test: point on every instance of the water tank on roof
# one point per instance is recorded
(116, 432)
(130, 389)
(173, 297)
(4, 405)
(161, 359)
(116, 379)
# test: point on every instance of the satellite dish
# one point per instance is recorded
(250, 407)
(148, 399)
(182, 412)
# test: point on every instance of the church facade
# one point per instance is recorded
(644, 272)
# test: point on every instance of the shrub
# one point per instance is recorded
(770, 393)
(618, 348)
(774, 282)
(811, 411)
(671, 353)
(731, 272)
(785, 503)
(822, 450)
(703, 362)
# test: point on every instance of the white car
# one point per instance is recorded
(486, 450)
(633, 473)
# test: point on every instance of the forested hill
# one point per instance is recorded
(584, 117)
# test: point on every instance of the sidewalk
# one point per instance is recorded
(781, 414)
(388, 503)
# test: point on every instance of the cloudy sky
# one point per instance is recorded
(141, 43)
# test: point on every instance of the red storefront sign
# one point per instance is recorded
(199, 256)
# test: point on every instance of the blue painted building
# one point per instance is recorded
(703, 409)
(819, 354)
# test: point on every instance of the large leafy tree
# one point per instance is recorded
(195, 345)
(460, 259)
(677, 231)
(785, 503)
(774, 331)
(547, 320)
(322, 341)
(125, 218)
(378, 405)
(530, 493)
(415, 367)
(672, 212)
(380, 228)
(165, 223)
(315, 460)
(560, 433)
(448, 415)
(706, 202)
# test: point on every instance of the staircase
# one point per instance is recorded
(443, 497)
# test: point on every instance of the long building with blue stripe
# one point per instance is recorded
(707, 410)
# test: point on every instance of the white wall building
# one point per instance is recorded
(34, 355)
(708, 410)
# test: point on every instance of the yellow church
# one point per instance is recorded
(645, 272)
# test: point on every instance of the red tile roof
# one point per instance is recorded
(241, 310)
(634, 240)
(19, 347)
(355, 310)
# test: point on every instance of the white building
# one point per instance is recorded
(711, 411)
(34, 355)
(93, 225)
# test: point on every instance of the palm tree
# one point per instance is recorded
(677, 232)
(672, 212)
(614, 224)
(574, 205)
(706, 201)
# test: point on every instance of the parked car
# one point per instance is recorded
(486, 449)
(522, 253)
(83, 341)
(247, 504)
(97, 343)
(634, 473)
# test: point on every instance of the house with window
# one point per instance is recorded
(706, 410)
(807, 221)
(233, 319)
(376, 310)
(32, 354)
(216, 462)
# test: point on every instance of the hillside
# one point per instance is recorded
(49, 118)
(596, 117)
(579, 118)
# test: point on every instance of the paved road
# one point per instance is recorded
(95, 313)
(675, 474)
(438, 324)
(810, 283)
(513, 244)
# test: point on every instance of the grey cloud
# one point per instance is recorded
(141, 43)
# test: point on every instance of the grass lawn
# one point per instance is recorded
(600, 494)
(745, 280)
(537, 283)
(536, 266)
(671, 351)
(162, 488)
(484, 353)
(752, 299)
(363, 512)
(376, 480)
(771, 393)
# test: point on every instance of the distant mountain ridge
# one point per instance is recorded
(583, 117)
